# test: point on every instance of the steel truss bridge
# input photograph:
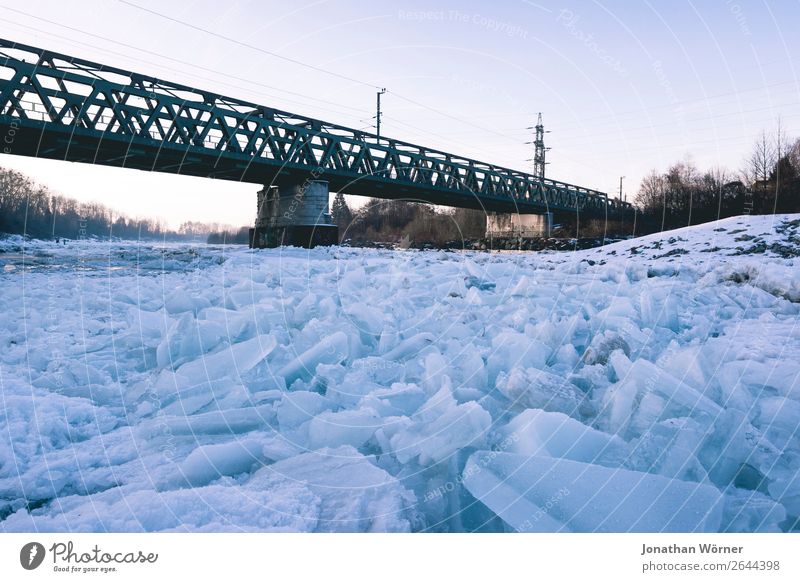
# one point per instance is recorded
(66, 108)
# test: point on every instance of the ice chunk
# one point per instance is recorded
(331, 350)
(733, 443)
(388, 340)
(354, 495)
(436, 368)
(244, 294)
(180, 301)
(178, 394)
(603, 345)
(750, 511)
(234, 360)
(781, 377)
(673, 398)
(353, 281)
(471, 369)
(438, 429)
(669, 448)
(691, 364)
(209, 462)
(346, 386)
(659, 307)
(218, 422)
(553, 434)
(522, 288)
(620, 363)
(305, 310)
(380, 370)
(784, 480)
(778, 418)
(34, 422)
(398, 400)
(479, 283)
(298, 407)
(542, 494)
(348, 427)
(368, 320)
(534, 388)
(285, 507)
(619, 306)
(188, 338)
(511, 349)
(213, 378)
(472, 268)
(648, 411)
(410, 347)
(567, 356)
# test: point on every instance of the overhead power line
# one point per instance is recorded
(228, 75)
(250, 46)
(310, 66)
(160, 55)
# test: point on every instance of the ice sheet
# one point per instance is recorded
(178, 387)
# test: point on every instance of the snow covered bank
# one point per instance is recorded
(649, 385)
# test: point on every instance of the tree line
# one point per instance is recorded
(240, 236)
(768, 183)
(31, 209)
(396, 220)
(683, 195)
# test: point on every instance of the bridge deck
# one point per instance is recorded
(61, 107)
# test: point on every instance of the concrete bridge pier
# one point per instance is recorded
(292, 214)
(519, 225)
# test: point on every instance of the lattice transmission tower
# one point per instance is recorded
(539, 162)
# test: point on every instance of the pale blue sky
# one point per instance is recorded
(624, 87)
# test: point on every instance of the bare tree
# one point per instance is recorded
(650, 197)
(794, 154)
(761, 162)
(782, 147)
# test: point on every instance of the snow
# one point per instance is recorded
(648, 385)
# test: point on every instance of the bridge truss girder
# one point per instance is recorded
(60, 107)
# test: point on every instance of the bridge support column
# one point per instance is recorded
(519, 225)
(294, 215)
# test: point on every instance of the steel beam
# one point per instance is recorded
(62, 107)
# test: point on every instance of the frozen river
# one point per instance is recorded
(649, 385)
